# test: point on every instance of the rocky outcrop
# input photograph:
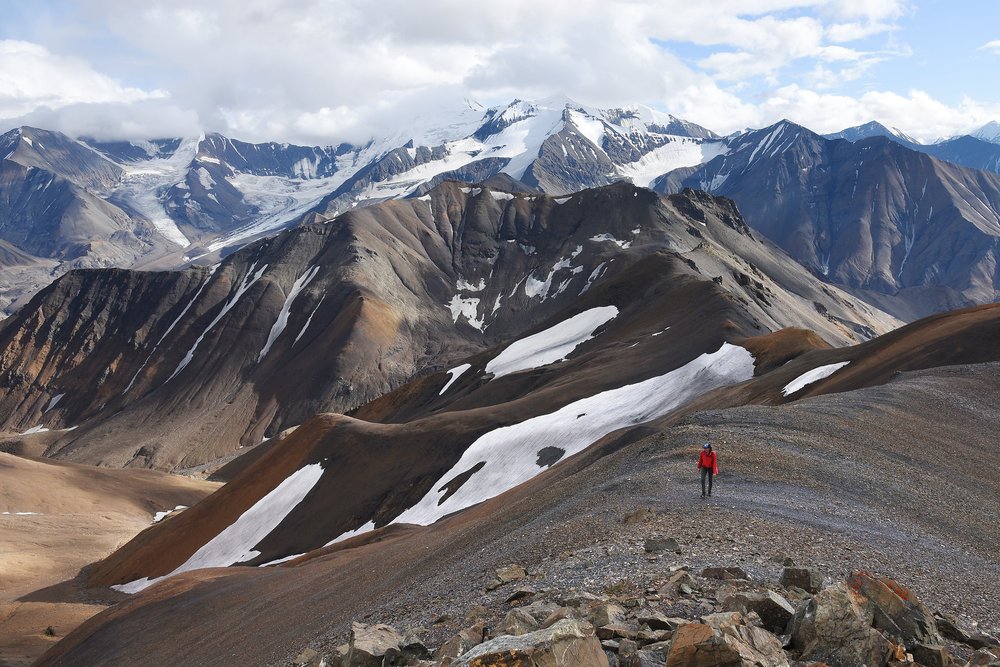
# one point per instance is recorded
(567, 643)
(838, 627)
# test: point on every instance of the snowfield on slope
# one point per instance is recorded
(235, 544)
(514, 454)
(815, 375)
(551, 345)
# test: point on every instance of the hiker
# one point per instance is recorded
(709, 467)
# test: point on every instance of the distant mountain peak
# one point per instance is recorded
(873, 128)
(989, 132)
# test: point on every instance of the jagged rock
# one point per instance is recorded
(984, 658)
(724, 573)
(558, 615)
(520, 593)
(628, 653)
(806, 578)
(775, 611)
(607, 614)
(462, 642)
(983, 640)
(697, 645)
(613, 630)
(897, 610)
(948, 628)
(653, 636)
(655, 545)
(579, 599)
(836, 627)
(369, 643)
(679, 579)
(541, 609)
(650, 658)
(518, 622)
(568, 643)
(657, 621)
(510, 573)
(755, 646)
(931, 655)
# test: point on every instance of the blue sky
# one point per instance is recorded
(330, 70)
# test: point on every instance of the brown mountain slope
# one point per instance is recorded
(192, 366)
(879, 478)
(55, 518)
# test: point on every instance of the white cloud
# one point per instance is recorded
(993, 47)
(32, 77)
(324, 71)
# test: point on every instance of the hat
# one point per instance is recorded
(706, 446)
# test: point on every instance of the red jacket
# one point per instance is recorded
(707, 460)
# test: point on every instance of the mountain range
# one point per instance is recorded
(170, 203)
(499, 338)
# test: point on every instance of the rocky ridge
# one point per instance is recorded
(682, 618)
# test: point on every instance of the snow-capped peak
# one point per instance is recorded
(989, 132)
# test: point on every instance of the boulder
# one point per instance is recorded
(930, 655)
(806, 578)
(541, 609)
(756, 647)
(568, 643)
(724, 573)
(655, 545)
(462, 642)
(617, 630)
(897, 611)
(518, 622)
(607, 614)
(836, 627)
(520, 593)
(369, 643)
(559, 614)
(775, 611)
(657, 621)
(510, 573)
(699, 645)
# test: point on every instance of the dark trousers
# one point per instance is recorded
(706, 472)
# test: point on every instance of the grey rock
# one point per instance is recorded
(568, 643)
(369, 644)
(807, 579)
(657, 545)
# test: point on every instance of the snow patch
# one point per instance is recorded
(815, 375)
(361, 530)
(235, 543)
(468, 308)
(308, 320)
(247, 283)
(600, 238)
(551, 345)
(282, 321)
(455, 373)
(160, 516)
(54, 402)
(510, 453)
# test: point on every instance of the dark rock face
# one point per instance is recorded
(872, 215)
